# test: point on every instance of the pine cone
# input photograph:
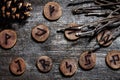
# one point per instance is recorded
(14, 9)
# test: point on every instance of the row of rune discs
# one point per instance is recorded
(68, 66)
(40, 33)
(8, 37)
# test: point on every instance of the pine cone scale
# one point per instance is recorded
(15, 9)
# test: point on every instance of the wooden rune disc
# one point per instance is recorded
(44, 64)
(68, 67)
(105, 38)
(17, 66)
(87, 60)
(113, 59)
(71, 34)
(8, 38)
(40, 33)
(52, 11)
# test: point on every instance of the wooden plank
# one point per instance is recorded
(56, 47)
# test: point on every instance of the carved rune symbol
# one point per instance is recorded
(51, 9)
(40, 32)
(87, 59)
(7, 37)
(105, 38)
(71, 32)
(115, 58)
(19, 66)
(44, 63)
(68, 66)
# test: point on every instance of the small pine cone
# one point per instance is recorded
(14, 9)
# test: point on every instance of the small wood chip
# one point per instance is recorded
(40, 33)
(105, 38)
(52, 11)
(68, 67)
(44, 64)
(17, 66)
(71, 34)
(113, 59)
(87, 60)
(8, 38)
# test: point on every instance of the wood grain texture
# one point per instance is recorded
(56, 47)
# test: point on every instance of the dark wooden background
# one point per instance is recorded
(56, 47)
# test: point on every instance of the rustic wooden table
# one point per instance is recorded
(56, 47)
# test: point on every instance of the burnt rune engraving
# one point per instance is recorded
(7, 37)
(105, 38)
(44, 63)
(115, 58)
(41, 32)
(87, 59)
(69, 66)
(19, 66)
(51, 9)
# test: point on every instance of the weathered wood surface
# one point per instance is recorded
(56, 47)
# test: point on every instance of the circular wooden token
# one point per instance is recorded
(52, 11)
(44, 63)
(87, 60)
(71, 34)
(68, 67)
(40, 33)
(8, 38)
(113, 59)
(17, 66)
(105, 38)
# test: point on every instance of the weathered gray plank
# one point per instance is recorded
(56, 47)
